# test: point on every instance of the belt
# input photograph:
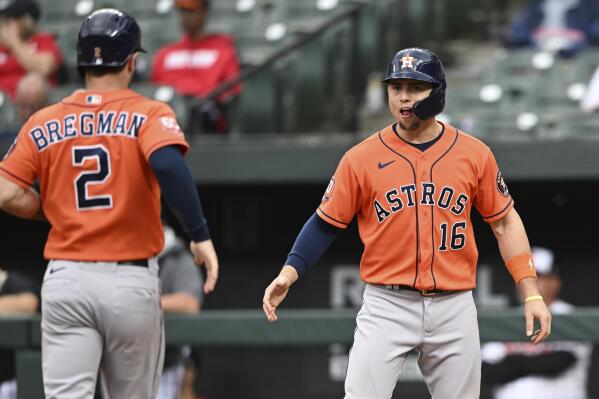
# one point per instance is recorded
(134, 262)
(399, 287)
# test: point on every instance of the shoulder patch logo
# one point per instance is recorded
(171, 125)
(501, 186)
(328, 194)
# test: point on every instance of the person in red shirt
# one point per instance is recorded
(22, 48)
(198, 63)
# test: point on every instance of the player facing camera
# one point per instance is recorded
(412, 186)
(423, 70)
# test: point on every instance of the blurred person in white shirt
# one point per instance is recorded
(550, 370)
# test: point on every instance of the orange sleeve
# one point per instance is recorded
(161, 130)
(21, 162)
(493, 199)
(341, 199)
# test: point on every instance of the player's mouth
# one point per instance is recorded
(406, 112)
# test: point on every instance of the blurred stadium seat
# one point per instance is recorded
(259, 109)
(321, 81)
(62, 91)
(167, 95)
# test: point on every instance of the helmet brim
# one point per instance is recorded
(414, 75)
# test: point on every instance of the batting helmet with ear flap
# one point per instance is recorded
(424, 65)
(107, 39)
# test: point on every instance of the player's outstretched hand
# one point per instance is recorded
(204, 253)
(537, 310)
(274, 295)
(277, 291)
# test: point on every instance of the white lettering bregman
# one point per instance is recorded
(87, 124)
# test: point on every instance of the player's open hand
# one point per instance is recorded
(537, 310)
(204, 253)
(274, 295)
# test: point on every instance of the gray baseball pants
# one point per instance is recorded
(442, 328)
(101, 315)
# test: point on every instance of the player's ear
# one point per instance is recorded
(131, 63)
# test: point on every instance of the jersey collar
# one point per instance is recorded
(397, 145)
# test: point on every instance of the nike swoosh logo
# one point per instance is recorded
(52, 271)
(384, 165)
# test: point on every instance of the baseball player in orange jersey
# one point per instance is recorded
(103, 156)
(412, 186)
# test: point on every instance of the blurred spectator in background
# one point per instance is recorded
(22, 48)
(550, 370)
(558, 26)
(590, 101)
(181, 284)
(198, 63)
(33, 94)
(18, 296)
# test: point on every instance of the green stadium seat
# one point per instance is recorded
(66, 9)
(258, 108)
(581, 124)
(73, 10)
(309, 81)
(60, 92)
(157, 33)
(148, 8)
(167, 95)
(523, 68)
(254, 53)
(585, 64)
(500, 125)
(66, 37)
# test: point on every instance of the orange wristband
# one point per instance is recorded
(521, 266)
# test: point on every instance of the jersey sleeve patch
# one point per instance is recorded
(502, 186)
(170, 125)
(328, 194)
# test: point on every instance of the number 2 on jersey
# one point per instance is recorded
(98, 176)
(458, 238)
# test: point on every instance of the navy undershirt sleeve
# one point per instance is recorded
(179, 191)
(313, 240)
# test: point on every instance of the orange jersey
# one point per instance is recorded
(90, 153)
(413, 207)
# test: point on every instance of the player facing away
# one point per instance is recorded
(412, 186)
(103, 156)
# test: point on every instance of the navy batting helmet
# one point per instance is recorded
(424, 65)
(107, 39)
